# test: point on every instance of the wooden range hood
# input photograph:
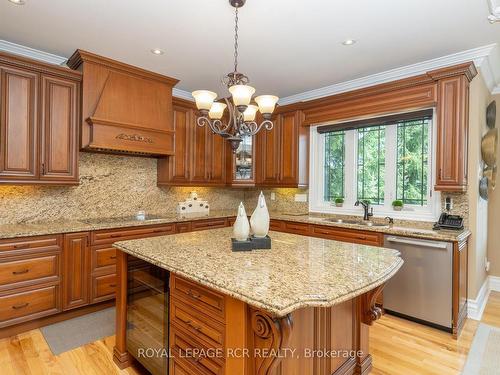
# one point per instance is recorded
(125, 109)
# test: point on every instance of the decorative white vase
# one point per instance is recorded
(260, 218)
(241, 227)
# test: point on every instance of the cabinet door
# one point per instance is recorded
(452, 134)
(175, 169)
(59, 131)
(18, 124)
(289, 138)
(76, 276)
(199, 163)
(269, 153)
(217, 159)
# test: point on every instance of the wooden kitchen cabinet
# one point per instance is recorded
(18, 124)
(452, 134)
(200, 155)
(76, 270)
(59, 130)
(282, 155)
(38, 122)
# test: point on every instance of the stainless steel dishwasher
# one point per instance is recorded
(422, 289)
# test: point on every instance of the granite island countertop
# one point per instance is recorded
(417, 230)
(298, 271)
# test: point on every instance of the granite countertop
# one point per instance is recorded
(297, 272)
(417, 230)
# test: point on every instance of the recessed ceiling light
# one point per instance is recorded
(157, 51)
(18, 2)
(348, 42)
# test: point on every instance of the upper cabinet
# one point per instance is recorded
(38, 122)
(200, 155)
(282, 152)
(452, 131)
(124, 108)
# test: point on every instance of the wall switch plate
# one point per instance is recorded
(273, 196)
(300, 197)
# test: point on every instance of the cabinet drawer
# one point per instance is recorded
(179, 367)
(183, 227)
(103, 287)
(15, 246)
(103, 258)
(276, 225)
(353, 236)
(28, 304)
(110, 236)
(208, 224)
(296, 228)
(198, 297)
(197, 324)
(16, 272)
(186, 349)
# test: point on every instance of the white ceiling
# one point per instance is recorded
(286, 47)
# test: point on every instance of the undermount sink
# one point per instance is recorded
(342, 221)
(357, 222)
(371, 224)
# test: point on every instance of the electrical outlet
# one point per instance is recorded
(487, 264)
(273, 196)
(300, 197)
(448, 205)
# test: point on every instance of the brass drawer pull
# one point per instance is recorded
(17, 307)
(112, 285)
(194, 326)
(116, 235)
(22, 246)
(112, 257)
(193, 294)
(20, 272)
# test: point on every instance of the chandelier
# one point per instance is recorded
(242, 112)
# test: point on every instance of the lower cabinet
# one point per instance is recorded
(76, 260)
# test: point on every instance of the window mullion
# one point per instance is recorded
(391, 145)
(350, 168)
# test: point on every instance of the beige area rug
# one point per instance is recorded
(484, 355)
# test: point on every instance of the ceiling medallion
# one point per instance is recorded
(241, 121)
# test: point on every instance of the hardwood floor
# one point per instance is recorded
(398, 347)
(402, 347)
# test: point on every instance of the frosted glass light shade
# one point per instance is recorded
(242, 94)
(250, 112)
(204, 99)
(217, 111)
(266, 103)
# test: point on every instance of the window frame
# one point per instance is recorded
(430, 212)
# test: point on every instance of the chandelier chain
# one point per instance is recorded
(236, 41)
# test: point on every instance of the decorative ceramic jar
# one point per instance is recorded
(241, 227)
(260, 218)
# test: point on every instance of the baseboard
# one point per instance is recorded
(494, 283)
(476, 306)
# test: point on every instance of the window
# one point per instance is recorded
(378, 160)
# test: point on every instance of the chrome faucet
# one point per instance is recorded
(366, 208)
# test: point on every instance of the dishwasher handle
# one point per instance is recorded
(407, 241)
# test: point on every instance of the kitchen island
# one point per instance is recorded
(303, 307)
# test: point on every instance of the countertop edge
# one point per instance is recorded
(259, 304)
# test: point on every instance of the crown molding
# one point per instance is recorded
(32, 53)
(182, 94)
(477, 55)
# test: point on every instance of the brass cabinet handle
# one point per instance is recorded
(17, 307)
(22, 246)
(193, 294)
(20, 272)
(112, 257)
(112, 285)
(194, 326)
